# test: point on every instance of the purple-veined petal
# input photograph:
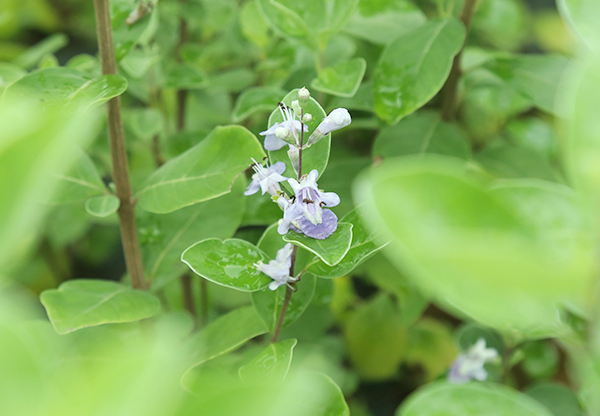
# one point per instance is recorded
(331, 199)
(322, 230)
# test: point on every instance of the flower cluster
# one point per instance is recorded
(471, 365)
(306, 211)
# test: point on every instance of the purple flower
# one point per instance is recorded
(278, 269)
(266, 179)
(471, 365)
(288, 130)
(311, 198)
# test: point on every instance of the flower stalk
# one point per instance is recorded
(118, 151)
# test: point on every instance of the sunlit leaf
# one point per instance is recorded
(332, 249)
(341, 80)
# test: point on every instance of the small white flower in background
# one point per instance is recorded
(337, 119)
(274, 138)
(278, 269)
(266, 179)
(469, 366)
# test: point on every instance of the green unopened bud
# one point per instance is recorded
(303, 96)
(296, 107)
(307, 118)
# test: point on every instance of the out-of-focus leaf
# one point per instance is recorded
(225, 334)
(472, 399)
(254, 100)
(82, 303)
(102, 206)
(501, 24)
(474, 249)
(581, 16)
(80, 183)
(535, 134)
(125, 36)
(183, 76)
(362, 100)
(414, 67)
(10, 73)
(363, 246)
(273, 362)
(316, 156)
(331, 250)
(205, 171)
(33, 55)
(99, 91)
(164, 237)
(228, 263)
(423, 132)
(537, 77)
(342, 79)
(540, 359)
(235, 80)
(145, 123)
(557, 398)
(253, 25)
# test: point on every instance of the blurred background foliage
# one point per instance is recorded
(392, 325)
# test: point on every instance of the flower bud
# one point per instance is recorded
(294, 155)
(296, 107)
(303, 96)
(337, 119)
(282, 133)
(307, 118)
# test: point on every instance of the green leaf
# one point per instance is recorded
(163, 237)
(382, 22)
(581, 17)
(536, 77)
(34, 54)
(99, 91)
(363, 246)
(10, 73)
(102, 206)
(82, 303)
(423, 132)
(183, 76)
(256, 99)
(376, 339)
(205, 171)
(472, 399)
(557, 398)
(235, 80)
(274, 362)
(473, 248)
(331, 250)
(268, 302)
(414, 67)
(253, 25)
(316, 156)
(228, 263)
(145, 123)
(362, 100)
(125, 36)
(225, 334)
(501, 24)
(80, 183)
(341, 80)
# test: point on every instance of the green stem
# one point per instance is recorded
(449, 91)
(118, 151)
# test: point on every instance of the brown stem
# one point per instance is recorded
(449, 91)
(203, 301)
(159, 160)
(118, 151)
(181, 94)
(188, 297)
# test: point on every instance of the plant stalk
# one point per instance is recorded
(289, 290)
(118, 151)
(449, 91)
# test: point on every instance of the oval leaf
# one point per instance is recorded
(469, 400)
(203, 172)
(102, 206)
(81, 182)
(274, 362)
(228, 263)
(256, 99)
(82, 303)
(184, 76)
(331, 250)
(341, 80)
(414, 67)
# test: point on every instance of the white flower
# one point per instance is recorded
(471, 365)
(310, 199)
(293, 126)
(267, 179)
(337, 119)
(278, 269)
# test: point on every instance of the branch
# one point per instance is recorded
(118, 151)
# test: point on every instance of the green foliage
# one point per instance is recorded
(331, 250)
(273, 362)
(83, 303)
(341, 80)
(102, 206)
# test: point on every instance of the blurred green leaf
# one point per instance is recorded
(253, 25)
(183, 76)
(80, 183)
(102, 206)
(99, 91)
(362, 100)
(363, 246)
(145, 122)
(414, 67)
(581, 17)
(473, 399)
(10, 73)
(274, 362)
(125, 36)
(541, 359)
(225, 334)
(536, 76)
(228, 263)
(163, 237)
(342, 79)
(331, 250)
(501, 24)
(535, 134)
(423, 132)
(82, 303)
(474, 249)
(32, 56)
(256, 99)
(235, 80)
(376, 339)
(316, 156)
(557, 398)
(205, 171)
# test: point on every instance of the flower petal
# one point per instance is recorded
(320, 231)
(272, 143)
(331, 199)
